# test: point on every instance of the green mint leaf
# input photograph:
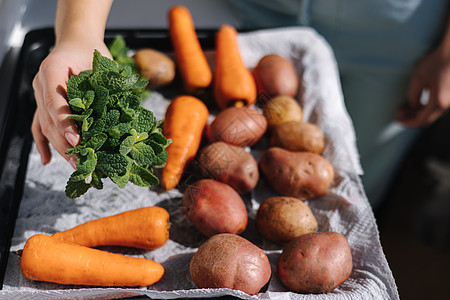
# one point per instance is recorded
(77, 85)
(111, 164)
(142, 177)
(89, 97)
(144, 121)
(140, 84)
(102, 63)
(118, 47)
(111, 144)
(111, 118)
(160, 139)
(121, 181)
(119, 130)
(78, 176)
(97, 127)
(127, 72)
(99, 106)
(142, 154)
(127, 144)
(119, 52)
(161, 154)
(77, 105)
(97, 141)
(86, 73)
(75, 189)
(114, 82)
(86, 124)
(96, 181)
(87, 161)
(77, 118)
(141, 136)
(128, 104)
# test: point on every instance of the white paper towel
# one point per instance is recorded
(45, 208)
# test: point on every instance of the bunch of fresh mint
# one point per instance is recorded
(119, 138)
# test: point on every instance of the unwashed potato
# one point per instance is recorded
(275, 76)
(240, 126)
(155, 66)
(298, 136)
(215, 207)
(282, 109)
(315, 263)
(230, 164)
(302, 175)
(230, 261)
(281, 219)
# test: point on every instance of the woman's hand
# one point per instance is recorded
(79, 29)
(50, 123)
(433, 76)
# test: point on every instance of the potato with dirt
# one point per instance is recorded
(239, 126)
(317, 262)
(275, 75)
(281, 219)
(229, 164)
(214, 207)
(230, 261)
(303, 175)
(282, 109)
(157, 67)
(298, 136)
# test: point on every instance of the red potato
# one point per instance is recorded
(230, 261)
(231, 165)
(275, 76)
(302, 175)
(239, 126)
(214, 207)
(315, 263)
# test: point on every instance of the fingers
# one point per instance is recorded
(414, 93)
(40, 140)
(50, 123)
(423, 114)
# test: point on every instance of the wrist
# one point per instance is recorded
(81, 21)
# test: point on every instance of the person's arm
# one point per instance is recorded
(433, 75)
(79, 29)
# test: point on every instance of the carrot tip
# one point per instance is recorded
(238, 103)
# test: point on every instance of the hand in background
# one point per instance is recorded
(432, 75)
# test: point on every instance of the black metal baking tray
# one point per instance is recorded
(17, 107)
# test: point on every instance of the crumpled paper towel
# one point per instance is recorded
(45, 209)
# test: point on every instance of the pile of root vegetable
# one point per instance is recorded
(250, 105)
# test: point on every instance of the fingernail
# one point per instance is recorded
(73, 162)
(71, 138)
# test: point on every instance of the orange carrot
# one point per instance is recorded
(234, 84)
(145, 228)
(191, 61)
(45, 258)
(184, 123)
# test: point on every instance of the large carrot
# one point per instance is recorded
(234, 84)
(146, 228)
(191, 61)
(185, 120)
(45, 258)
